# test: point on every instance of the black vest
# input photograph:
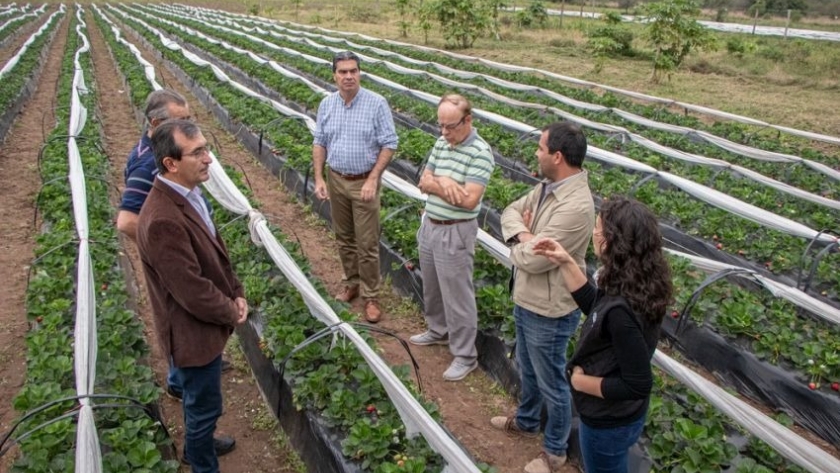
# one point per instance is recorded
(595, 355)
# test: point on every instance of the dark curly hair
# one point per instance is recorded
(634, 265)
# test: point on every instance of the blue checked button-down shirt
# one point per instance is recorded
(354, 134)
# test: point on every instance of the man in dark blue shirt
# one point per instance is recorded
(140, 171)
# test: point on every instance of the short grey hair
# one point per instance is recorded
(157, 103)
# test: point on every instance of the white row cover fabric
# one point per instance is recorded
(512, 68)
(723, 201)
(88, 453)
(10, 11)
(783, 440)
(12, 62)
(148, 68)
(714, 25)
(735, 148)
(321, 310)
(793, 294)
(414, 416)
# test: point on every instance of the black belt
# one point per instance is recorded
(450, 222)
(351, 177)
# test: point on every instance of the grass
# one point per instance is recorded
(783, 81)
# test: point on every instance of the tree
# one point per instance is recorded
(403, 6)
(535, 14)
(674, 33)
(462, 21)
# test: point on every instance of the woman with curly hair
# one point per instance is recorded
(610, 372)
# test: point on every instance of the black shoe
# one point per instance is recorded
(223, 444)
(226, 366)
(177, 395)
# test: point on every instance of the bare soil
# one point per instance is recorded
(20, 183)
(466, 406)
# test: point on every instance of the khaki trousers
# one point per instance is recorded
(356, 227)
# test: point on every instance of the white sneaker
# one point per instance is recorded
(428, 338)
(458, 371)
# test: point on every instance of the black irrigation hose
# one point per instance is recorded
(681, 324)
(38, 196)
(331, 329)
(133, 403)
(55, 248)
(635, 187)
(828, 249)
(817, 258)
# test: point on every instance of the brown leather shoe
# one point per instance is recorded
(372, 311)
(348, 294)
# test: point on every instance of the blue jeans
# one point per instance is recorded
(541, 352)
(202, 388)
(605, 450)
(172, 379)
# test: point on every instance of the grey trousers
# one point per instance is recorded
(447, 256)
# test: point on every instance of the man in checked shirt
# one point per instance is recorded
(355, 136)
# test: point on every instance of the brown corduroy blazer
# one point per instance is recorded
(189, 277)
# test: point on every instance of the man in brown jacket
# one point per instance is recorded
(196, 297)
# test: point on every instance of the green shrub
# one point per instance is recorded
(738, 46)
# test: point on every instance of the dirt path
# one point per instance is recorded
(245, 416)
(19, 181)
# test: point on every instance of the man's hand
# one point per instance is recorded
(526, 217)
(426, 182)
(453, 192)
(369, 188)
(525, 237)
(242, 307)
(321, 190)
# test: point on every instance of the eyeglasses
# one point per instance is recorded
(452, 126)
(198, 152)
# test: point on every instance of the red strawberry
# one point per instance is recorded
(719, 246)
(835, 386)
(675, 314)
(371, 408)
(812, 385)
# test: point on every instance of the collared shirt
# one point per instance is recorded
(196, 199)
(140, 172)
(468, 161)
(549, 187)
(354, 134)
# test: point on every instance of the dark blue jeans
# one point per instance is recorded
(172, 379)
(605, 450)
(541, 352)
(202, 388)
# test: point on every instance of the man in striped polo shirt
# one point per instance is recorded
(456, 174)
